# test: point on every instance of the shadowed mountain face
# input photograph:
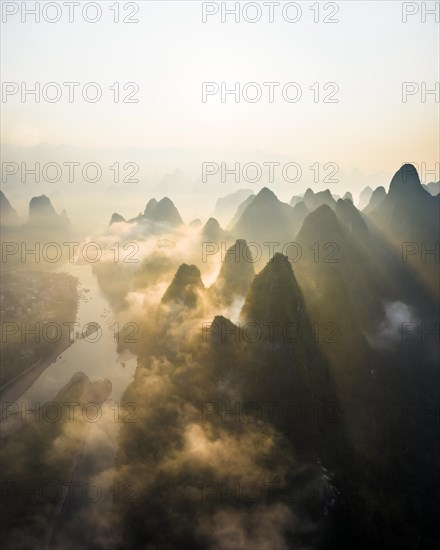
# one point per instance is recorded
(336, 259)
(184, 287)
(405, 183)
(275, 295)
(408, 211)
(285, 357)
(409, 219)
(236, 273)
(191, 455)
(352, 219)
(320, 221)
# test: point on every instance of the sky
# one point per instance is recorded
(170, 53)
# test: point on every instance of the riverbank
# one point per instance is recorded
(13, 389)
(38, 300)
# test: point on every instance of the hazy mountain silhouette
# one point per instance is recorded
(149, 209)
(241, 208)
(377, 197)
(266, 219)
(225, 207)
(40, 209)
(162, 212)
(116, 218)
(295, 200)
(432, 187)
(43, 217)
(300, 211)
(364, 197)
(8, 214)
(212, 232)
(174, 183)
(314, 200)
(165, 212)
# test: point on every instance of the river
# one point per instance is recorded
(84, 519)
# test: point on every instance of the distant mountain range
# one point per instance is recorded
(42, 216)
(407, 211)
(339, 321)
(333, 326)
(163, 212)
